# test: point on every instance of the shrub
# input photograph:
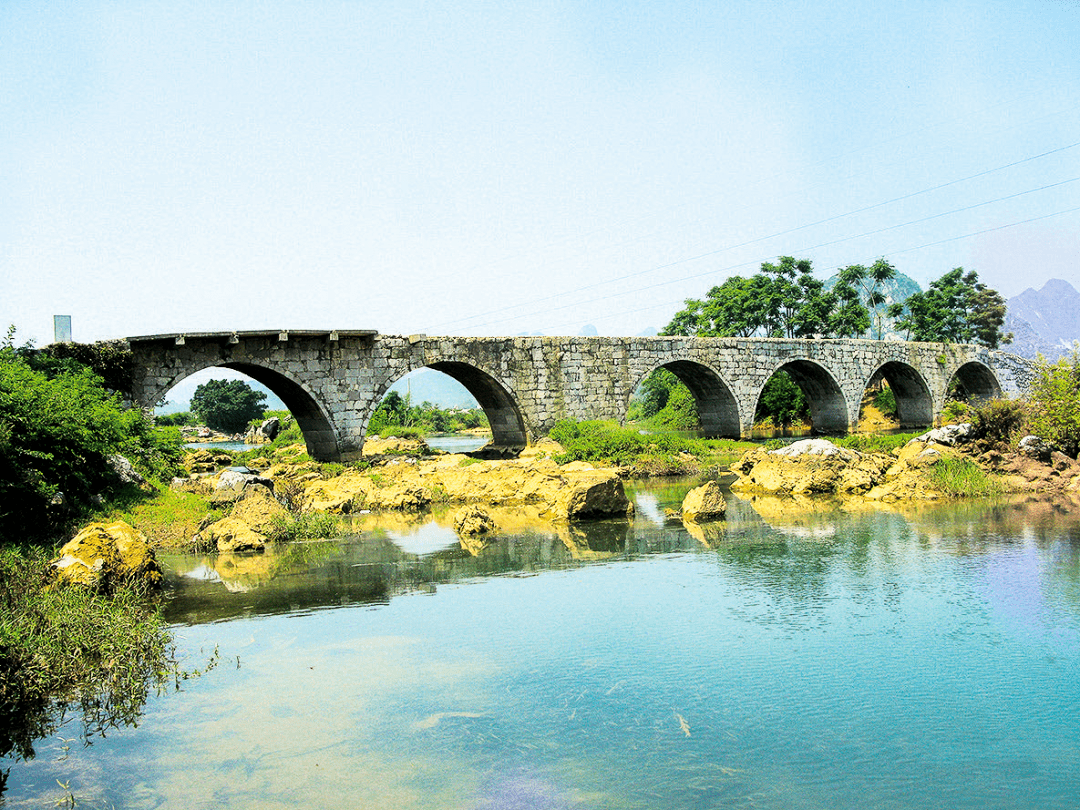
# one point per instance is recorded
(955, 410)
(998, 420)
(56, 435)
(679, 412)
(1055, 406)
(885, 401)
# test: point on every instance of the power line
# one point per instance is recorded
(757, 240)
(804, 249)
(885, 255)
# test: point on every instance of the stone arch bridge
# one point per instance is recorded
(332, 381)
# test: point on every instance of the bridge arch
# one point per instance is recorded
(977, 381)
(828, 406)
(914, 402)
(319, 432)
(508, 433)
(718, 410)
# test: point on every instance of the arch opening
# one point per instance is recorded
(508, 434)
(974, 383)
(717, 408)
(318, 432)
(828, 410)
(430, 403)
(901, 393)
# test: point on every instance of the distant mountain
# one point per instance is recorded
(1045, 321)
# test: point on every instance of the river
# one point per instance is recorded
(793, 656)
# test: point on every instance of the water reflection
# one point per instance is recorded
(791, 545)
(797, 654)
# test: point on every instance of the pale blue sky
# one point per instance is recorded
(497, 168)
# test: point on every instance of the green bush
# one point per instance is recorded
(56, 435)
(1055, 406)
(885, 401)
(679, 412)
(999, 420)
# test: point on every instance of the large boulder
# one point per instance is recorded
(258, 509)
(230, 534)
(596, 495)
(124, 470)
(810, 467)
(949, 435)
(704, 503)
(106, 555)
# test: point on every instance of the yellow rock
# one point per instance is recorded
(258, 508)
(338, 495)
(104, 555)
(230, 534)
(472, 520)
(704, 503)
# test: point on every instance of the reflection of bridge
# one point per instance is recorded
(333, 381)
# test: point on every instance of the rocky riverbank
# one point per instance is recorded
(914, 472)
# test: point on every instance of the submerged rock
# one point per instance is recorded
(105, 555)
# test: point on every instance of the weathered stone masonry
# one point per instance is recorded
(333, 381)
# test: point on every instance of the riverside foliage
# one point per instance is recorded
(59, 427)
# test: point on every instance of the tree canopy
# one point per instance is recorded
(227, 405)
(956, 308)
(786, 300)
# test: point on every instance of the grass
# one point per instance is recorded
(63, 645)
(651, 453)
(305, 526)
(168, 519)
(962, 478)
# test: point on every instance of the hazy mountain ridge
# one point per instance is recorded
(1045, 321)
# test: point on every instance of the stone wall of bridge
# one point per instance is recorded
(333, 381)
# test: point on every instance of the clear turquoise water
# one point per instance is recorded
(797, 658)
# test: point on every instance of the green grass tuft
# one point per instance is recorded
(962, 478)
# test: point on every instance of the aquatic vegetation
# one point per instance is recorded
(73, 645)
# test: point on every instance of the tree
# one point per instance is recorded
(957, 308)
(782, 400)
(849, 318)
(783, 300)
(227, 405)
(654, 392)
(59, 427)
